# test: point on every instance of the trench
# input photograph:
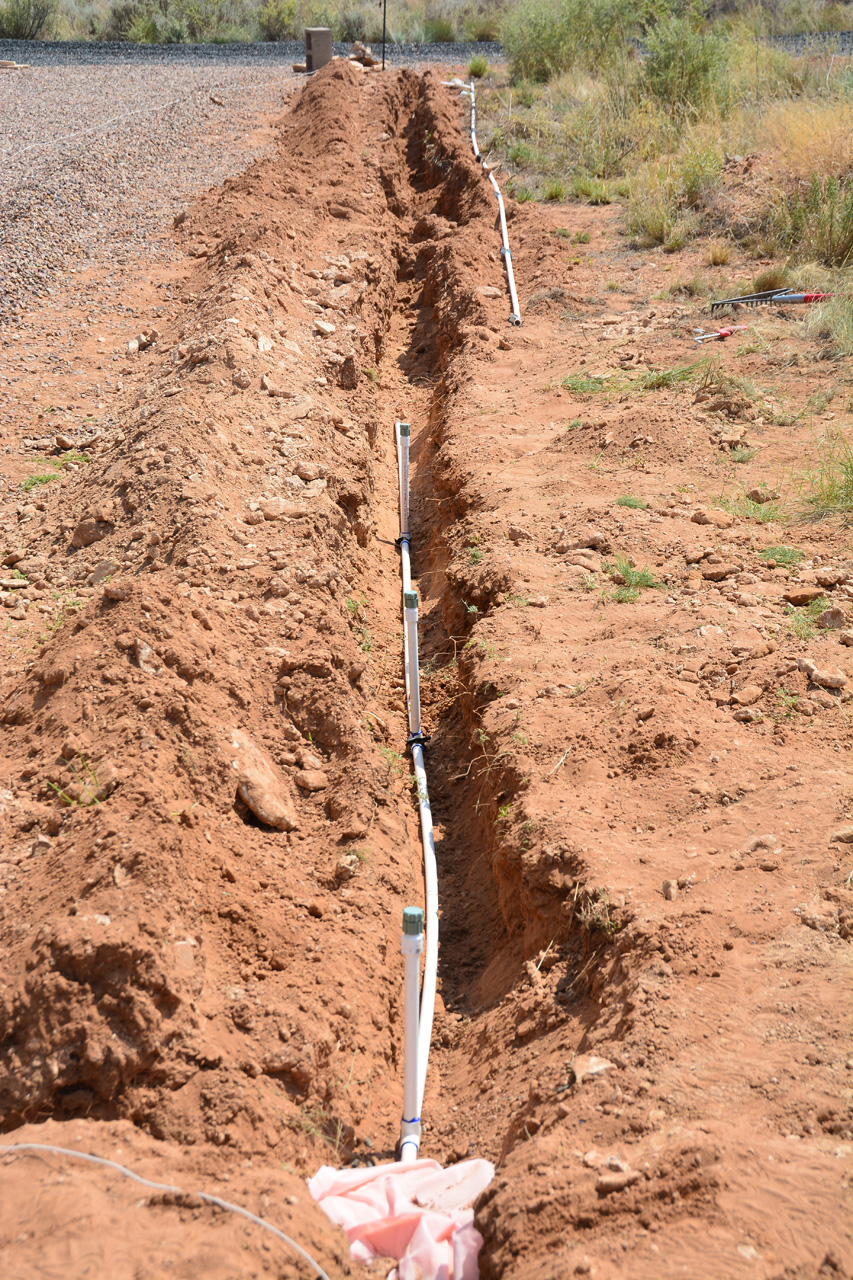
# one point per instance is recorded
(479, 955)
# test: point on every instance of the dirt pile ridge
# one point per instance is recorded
(209, 831)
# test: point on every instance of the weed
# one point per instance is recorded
(31, 482)
(771, 278)
(581, 237)
(719, 253)
(476, 556)
(611, 286)
(656, 379)
(519, 738)
(742, 455)
(801, 622)
(828, 487)
(817, 225)
(589, 583)
(789, 701)
(554, 189)
(593, 911)
(638, 504)
(583, 383)
(393, 759)
(478, 67)
(632, 577)
(625, 595)
(355, 604)
(365, 642)
(782, 555)
(504, 812)
(86, 789)
(523, 194)
(746, 509)
(322, 1126)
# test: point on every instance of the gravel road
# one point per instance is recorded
(101, 144)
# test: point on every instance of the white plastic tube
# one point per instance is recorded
(411, 946)
(506, 252)
(410, 618)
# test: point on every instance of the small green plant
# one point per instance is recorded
(584, 383)
(504, 812)
(581, 237)
(828, 487)
(638, 504)
(32, 482)
(801, 622)
(476, 555)
(632, 577)
(355, 603)
(782, 555)
(523, 194)
(742, 455)
(788, 700)
(746, 509)
(86, 791)
(719, 253)
(625, 595)
(478, 67)
(554, 189)
(656, 379)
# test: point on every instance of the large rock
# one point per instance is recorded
(260, 785)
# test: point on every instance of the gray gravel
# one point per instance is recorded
(101, 144)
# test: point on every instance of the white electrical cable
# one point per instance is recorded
(402, 432)
(15, 1147)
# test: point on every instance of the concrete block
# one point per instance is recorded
(318, 47)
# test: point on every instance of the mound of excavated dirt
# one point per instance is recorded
(208, 828)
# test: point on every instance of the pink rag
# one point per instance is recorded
(418, 1213)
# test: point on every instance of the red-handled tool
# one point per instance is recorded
(718, 334)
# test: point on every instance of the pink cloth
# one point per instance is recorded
(418, 1213)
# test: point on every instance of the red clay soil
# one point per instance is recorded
(642, 795)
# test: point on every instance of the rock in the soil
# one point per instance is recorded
(242, 378)
(607, 1183)
(713, 515)
(826, 679)
(669, 889)
(846, 638)
(586, 1066)
(310, 471)
(844, 835)
(760, 842)
(517, 534)
(311, 779)
(324, 327)
(260, 785)
(146, 659)
(832, 619)
(746, 696)
(89, 531)
(279, 509)
(761, 496)
(716, 572)
(117, 590)
(801, 593)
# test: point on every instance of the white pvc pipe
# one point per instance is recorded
(506, 253)
(411, 946)
(410, 616)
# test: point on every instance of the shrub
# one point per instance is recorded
(686, 68)
(544, 37)
(26, 19)
(144, 30)
(818, 224)
(439, 31)
(277, 19)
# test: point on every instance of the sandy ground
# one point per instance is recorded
(642, 799)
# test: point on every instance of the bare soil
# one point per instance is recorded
(642, 803)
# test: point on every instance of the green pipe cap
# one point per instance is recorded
(410, 599)
(405, 429)
(413, 921)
